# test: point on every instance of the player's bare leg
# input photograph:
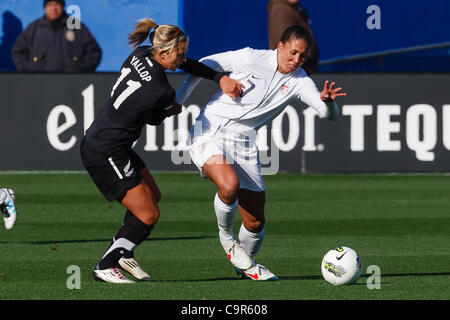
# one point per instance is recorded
(150, 181)
(251, 207)
(225, 202)
(128, 262)
(223, 175)
(141, 201)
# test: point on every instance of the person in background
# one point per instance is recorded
(283, 14)
(50, 45)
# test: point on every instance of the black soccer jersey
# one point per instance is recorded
(141, 95)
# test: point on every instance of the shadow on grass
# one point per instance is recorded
(105, 240)
(312, 277)
(201, 280)
(419, 274)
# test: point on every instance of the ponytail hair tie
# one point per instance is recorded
(156, 27)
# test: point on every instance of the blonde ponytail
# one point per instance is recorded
(141, 31)
(165, 37)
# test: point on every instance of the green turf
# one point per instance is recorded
(400, 223)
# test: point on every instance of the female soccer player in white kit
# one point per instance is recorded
(222, 143)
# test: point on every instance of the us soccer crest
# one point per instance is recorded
(285, 89)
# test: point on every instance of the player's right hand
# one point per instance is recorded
(231, 87)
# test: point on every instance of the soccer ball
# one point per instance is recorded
(341, 266)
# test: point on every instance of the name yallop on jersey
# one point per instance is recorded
(140, 68)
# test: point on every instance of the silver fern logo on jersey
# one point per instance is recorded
(128, 170)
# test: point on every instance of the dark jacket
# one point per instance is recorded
(52, 47)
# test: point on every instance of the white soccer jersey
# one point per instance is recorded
(267, 92)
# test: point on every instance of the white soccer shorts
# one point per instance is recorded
(241, 154)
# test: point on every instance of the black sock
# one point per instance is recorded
(132, 233)
(127, 254)
(128, 214)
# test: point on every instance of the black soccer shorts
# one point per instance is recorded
(113, 175)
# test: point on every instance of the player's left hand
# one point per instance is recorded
(231, 87)
(329, 93)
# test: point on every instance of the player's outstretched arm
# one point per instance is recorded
(329, 95)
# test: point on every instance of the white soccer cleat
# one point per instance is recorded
(111, 275)
(131, 266)
(7, 207)
(237, 255)
(258, 273)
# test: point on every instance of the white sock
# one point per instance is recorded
(250, 241)
(225, 218)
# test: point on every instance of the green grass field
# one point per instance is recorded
(401, 223)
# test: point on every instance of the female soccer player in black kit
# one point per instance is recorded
(141, 95)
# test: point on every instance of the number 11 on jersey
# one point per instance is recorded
(132, 87)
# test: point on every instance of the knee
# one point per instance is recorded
(254, 225)
(154, 217)
(151, 217)
(228, 191)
